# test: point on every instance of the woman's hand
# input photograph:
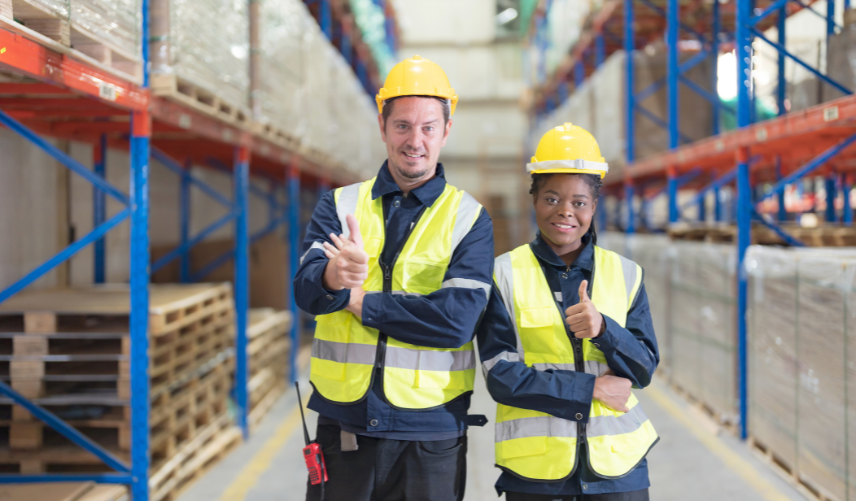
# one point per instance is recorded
(612, 391)
(583, 318)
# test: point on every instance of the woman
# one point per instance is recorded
(566, 334)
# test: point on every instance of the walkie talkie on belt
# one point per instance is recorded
(312, 453)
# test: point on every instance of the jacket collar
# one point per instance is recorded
(545, 253)
(428, 193)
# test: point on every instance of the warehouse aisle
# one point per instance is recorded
(689, 462)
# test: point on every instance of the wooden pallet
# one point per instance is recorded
(175, 416)
(268, 351)
(275, 135)
(60, 27)
(193, 459)
(64, 491)
(821, 236)
(47, 364)
(200, 99)
(716, 417)
(789, 472)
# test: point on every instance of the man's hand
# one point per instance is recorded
(355, 303)
(583, 318)
(349, 268)
(613, 392)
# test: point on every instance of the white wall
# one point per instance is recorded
(456, 22)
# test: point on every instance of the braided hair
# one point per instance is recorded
(592, 180)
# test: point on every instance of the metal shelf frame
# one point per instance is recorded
(780, 151)
(149, 127)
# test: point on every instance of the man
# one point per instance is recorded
(398, 270)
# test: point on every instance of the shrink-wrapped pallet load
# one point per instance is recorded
(802, 313)
(281, 95)
(318, 54)
(199, 55)
(106, 31)
(703, 326)
(654, 254)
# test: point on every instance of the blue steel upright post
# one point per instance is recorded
(831, 216)
(294, 258)
(743, 46)
(141, 133)
(99, 210)
(241, 185)
(672, 71)
(139, 272)
(629, 87)
(781, 84)
(184, 221)
(631, 213)
(847, 210)
(714, 66)
(782, 213)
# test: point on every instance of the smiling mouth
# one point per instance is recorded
(564, 227)
(409, 155)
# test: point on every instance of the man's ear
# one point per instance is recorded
(446, 132)
(380, 125)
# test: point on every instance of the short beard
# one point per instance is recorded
(409, 175)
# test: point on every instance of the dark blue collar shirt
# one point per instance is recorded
(446, 318)
(631, 352)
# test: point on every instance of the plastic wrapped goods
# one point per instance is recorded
(703, 324)
(281, 95)
(654, 253)
(801, 362)
(113, 22)
(208, 45)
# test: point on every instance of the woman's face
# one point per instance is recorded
(564, 207)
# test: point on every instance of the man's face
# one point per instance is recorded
(414, 133)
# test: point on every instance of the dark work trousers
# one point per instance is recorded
(617, 496)
(391, 470)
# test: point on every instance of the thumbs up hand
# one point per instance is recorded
(583, 318)
(348, 267)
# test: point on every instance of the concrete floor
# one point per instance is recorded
(689, 462)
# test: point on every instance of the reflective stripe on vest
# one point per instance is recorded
(540, 446)
(344, 351)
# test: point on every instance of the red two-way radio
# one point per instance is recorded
(312, 453)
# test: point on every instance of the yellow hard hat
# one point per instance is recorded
(568, 149)
(416, 77)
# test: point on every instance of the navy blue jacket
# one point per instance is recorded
(631, 352)
(446, 318)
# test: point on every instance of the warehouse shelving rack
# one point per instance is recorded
(97, 107)
(779, 151)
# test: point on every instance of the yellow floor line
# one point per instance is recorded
(251, 473)
(737, 464)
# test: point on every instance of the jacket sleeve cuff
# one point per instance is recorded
(335, 300)
(373, 310)
(608, 340)
(582, 398)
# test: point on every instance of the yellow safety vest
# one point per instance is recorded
(539, 446)
(344, 351)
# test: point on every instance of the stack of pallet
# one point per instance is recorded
(68, 350)
(826, 235)
(101, 32)
(802, 365)
(64, 491)
(268, 348)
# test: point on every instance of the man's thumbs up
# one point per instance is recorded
(354, 229)
(349, 263)
(583, 318)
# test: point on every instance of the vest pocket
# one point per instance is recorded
(534, 328)
(422, 277)
(522, 447)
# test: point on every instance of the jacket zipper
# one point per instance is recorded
(387, 287)
(579, 364)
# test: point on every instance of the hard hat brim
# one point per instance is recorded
(568, 167)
